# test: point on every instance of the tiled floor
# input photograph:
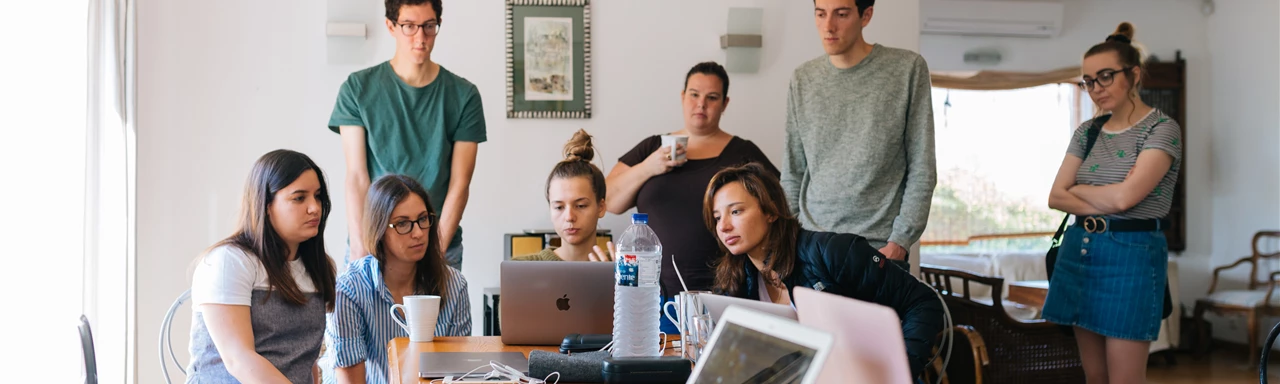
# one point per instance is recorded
(1224, 365)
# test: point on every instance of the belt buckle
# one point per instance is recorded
(1095, 224)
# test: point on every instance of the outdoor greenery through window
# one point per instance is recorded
(997, 155)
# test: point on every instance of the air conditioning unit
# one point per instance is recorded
(1041, 19)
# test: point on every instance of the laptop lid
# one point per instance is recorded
(868, 338)
(716, 305)
(748, 346)
(543, 301)
(436, 365)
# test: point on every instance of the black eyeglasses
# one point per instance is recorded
(403, 227)
(430, 28)
(1105, 78)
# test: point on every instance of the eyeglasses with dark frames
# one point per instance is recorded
(1105, 78)
(403, 227)
(431, 28)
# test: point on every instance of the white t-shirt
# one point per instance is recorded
(229, 275)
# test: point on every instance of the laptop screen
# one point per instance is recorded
(744, 355)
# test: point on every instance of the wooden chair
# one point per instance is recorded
(1016, 351)
(1252, 303)
(87, 350)
(968, 359)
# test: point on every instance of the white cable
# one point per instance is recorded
(948, 338)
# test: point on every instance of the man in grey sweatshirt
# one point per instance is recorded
(860, 156)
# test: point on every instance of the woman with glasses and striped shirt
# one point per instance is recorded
(1109, 279)
(406, 260)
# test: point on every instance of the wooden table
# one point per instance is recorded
(402, 355)
(1030, 293)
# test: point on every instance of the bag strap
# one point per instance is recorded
(1094, 130)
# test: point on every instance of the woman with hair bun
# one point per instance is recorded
(575, 198)
(1118, 180)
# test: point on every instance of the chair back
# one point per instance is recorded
(1266, 353)
(968, 358)
(1263, 241)
(166, 338)
(1019, 351)
(86, 347)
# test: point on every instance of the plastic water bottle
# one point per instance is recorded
(636, 302)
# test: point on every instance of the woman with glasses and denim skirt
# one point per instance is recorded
(406, 261)
(1109, 279)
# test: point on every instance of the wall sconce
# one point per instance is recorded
(351, 32)
(743, 41)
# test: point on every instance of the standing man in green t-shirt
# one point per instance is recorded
(860, 156)
(410, 116)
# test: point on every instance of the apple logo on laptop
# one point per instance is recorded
(563, 303)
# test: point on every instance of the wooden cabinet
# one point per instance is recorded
(1164, 86)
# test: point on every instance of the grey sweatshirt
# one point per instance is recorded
(860, 155)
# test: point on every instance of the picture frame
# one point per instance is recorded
(548, 59)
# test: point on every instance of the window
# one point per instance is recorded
(997, 155)
(43, 194)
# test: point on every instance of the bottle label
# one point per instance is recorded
(628, 271)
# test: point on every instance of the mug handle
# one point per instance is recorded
(667, 313)
(397, 318)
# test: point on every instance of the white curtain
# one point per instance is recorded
(109, 188)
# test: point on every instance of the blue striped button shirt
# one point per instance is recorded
(360, 326)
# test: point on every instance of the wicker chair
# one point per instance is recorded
(1252, 303)
(1018, 351)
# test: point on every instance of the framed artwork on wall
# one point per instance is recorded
(549, 59)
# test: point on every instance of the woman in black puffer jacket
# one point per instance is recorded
(746, 208)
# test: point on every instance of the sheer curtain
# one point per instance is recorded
(109, 188)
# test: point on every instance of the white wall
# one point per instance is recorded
(251, 76)
(1244, 164)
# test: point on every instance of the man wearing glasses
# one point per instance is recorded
(410, 116)
(859, 142)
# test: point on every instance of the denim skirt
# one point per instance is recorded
(1110, 283)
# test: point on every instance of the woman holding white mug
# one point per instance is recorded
(407, 264)
(667, 181)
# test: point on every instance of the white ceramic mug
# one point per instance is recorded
(670, 141)
(688, 308)
(420, 313)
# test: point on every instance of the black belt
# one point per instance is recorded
(1100, 224)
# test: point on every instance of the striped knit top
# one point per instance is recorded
(360, 326)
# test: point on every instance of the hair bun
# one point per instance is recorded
(579, 147)
(1123, 34)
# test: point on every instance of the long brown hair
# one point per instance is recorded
(431, 274)
(271, 173)
(578, 152)
(1127, 53)
(779, 241)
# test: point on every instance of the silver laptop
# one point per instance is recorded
(543, 301)
(437, 365)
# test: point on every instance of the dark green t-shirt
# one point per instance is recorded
(408, 130)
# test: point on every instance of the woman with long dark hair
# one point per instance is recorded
(406, 260)
(765, 254)
(260, 295)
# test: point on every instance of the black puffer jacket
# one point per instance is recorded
(848, 266)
